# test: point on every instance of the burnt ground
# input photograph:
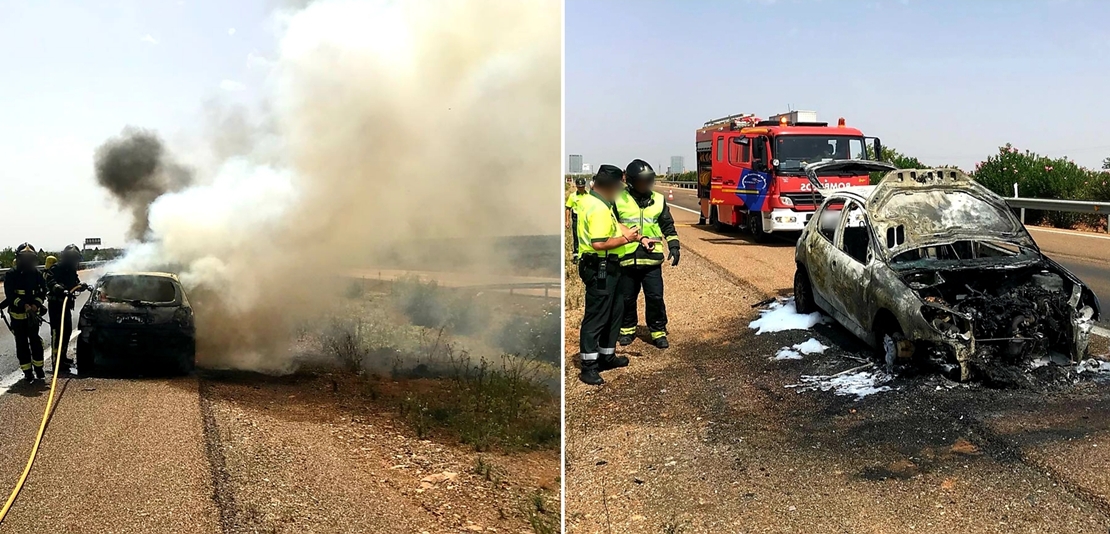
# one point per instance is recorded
(706, 437)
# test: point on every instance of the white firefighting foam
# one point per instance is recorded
(782, 315)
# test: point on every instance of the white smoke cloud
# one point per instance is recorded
(385, 122)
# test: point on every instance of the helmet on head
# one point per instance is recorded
(26, 256)
(50, 261)
(580, 181)
(71, 255)
(639, 170)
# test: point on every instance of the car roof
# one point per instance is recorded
(142, 273)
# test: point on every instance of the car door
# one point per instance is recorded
(849, 262)
(820, 245)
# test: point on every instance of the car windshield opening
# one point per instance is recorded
(154, 289)
(794, 152)
(969, 251)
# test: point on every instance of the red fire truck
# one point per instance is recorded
(751, 172)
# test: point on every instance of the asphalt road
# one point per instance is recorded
(1084, 253)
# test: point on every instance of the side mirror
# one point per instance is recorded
(740, 140)
(878, 150)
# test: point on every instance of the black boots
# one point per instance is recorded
(590, 373)
(625, 340)
(611, 361)
(39, 373)
(28, 377)
(661, 343)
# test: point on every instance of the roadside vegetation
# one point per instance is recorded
(481, 369)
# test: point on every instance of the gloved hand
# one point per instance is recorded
(674, 256)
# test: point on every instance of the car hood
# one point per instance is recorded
(926, 207)
(856, 167)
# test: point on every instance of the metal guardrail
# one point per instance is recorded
(680, 185)
(1051, 204)
(85, 265)
(545, 286)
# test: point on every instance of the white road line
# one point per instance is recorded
(10, 380)
(684, 209)
(1098, 330)
(1066, 232)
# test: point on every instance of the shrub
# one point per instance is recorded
(1037, 177)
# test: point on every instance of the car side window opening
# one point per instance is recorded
(746, 153)
(720, 148)
(829, 218)
(855, 236)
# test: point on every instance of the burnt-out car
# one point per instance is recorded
(929, 265)
(136, 320)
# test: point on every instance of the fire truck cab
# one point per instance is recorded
(751, 172)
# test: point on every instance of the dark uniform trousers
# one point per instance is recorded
(603, 309)
(28, 344)
(650, 279)
(574, 230)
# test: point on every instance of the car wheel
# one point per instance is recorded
(86, 364)
(187, 361)
(803, 292)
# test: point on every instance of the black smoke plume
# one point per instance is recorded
(136, 169)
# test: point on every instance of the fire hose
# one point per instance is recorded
(45, 417)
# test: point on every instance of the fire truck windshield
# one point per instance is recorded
(794, 152)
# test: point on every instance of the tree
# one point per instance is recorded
(1106, 164)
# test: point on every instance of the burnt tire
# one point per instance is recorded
(803, 292)
(85, 359)
(893, 348)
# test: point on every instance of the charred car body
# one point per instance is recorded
(136, 320)
(931, 265)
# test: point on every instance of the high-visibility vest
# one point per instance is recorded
(596, 221)
(647, 219)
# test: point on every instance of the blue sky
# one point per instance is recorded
(946, 81)
(76, 72)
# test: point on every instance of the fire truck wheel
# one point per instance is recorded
(755, 226)
(803, 292)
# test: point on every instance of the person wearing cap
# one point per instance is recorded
(640, 206)
(572, 214)
(62, 281)
(25, 290)
(599, 237)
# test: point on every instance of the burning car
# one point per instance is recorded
(136, 320)
(930, 266)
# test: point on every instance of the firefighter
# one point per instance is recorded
(641, 264)
(62, 281)
(25, 290)
(599, 236)
(572, 214)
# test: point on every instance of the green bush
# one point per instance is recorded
(1037, 177)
